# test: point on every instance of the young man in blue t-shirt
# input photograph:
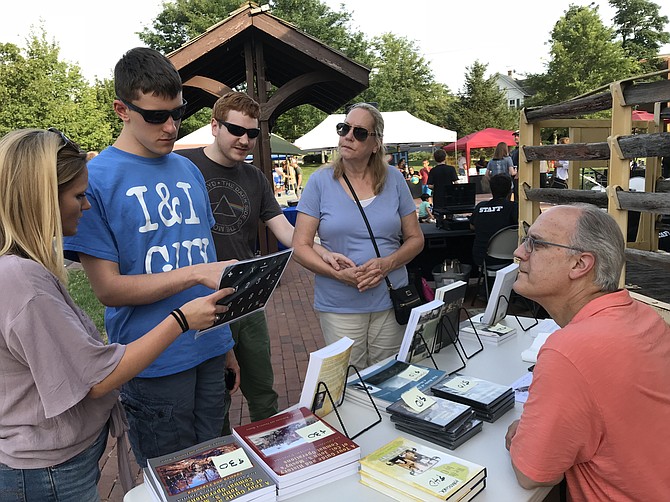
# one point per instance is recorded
(147, 248)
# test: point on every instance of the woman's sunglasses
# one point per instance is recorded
(158, 116)
(67, 142)
(240, 131)
(360, 133)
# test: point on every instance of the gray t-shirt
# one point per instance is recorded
(241, 196)
(50, 357)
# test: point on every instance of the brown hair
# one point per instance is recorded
(501, 151)
(237, 101)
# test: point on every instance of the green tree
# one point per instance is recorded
(480, 104)
(402, 79)
(641, 28)
(37, 89)
(584, 56)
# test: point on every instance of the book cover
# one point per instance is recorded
(420, 332)
(496, 308)
(328, 365)
(493, 335)
(453, 296)
(387, 382)
(296, 445)
(215, 470)
(254, 281)
(472, 391)
(397, 495)
(473, 427)
(442, 414)
(421, 471)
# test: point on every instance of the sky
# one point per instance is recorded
(451, 35)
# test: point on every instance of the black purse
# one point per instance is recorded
(405, 298)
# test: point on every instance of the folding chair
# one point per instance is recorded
(501, 246)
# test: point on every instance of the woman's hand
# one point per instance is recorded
(371, 273)
(202, 312)
(347, 276)
(233, 365)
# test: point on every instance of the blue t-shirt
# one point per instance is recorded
(423, 208)
(342, 230)
(499, 166)
(150, 216)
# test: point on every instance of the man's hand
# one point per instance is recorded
(232, 365)
(511, 432)
(208, 274)
(337, 261)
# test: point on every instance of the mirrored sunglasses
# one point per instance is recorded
(158, 116)
(240, 131)
(360, 133)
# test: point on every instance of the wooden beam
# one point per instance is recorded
(560, 196)
(209, 85)
(292, 88)
(632, 147)
(656, 259)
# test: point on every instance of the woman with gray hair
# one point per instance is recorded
(355, 301)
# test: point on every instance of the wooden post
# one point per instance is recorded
(529, 172)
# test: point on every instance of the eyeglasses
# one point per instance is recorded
(158, 116)
(360, 133)
(530, 244)
(66, 141)
(240, 131)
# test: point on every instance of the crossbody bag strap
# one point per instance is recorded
(367, 223)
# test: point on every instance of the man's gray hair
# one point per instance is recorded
(598, 233)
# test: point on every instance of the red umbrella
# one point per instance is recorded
(486, 138)
(642, 115)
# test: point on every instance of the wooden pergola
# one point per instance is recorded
(280, 66)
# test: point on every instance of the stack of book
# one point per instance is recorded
(443, 422)
(218, 469)
(388, 380)
(493, 335)
(489, 400)
(299, 451)
(405, 470)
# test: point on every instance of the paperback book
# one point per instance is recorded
(329, 366)
(420, 336)
(414, 470)
(496, 308)
(296, 446)
(489, 400)
(453, 296)
(493, 335)
(388, 380)
(472, 427)
(254, 281)
(215, 470)
(440, 416)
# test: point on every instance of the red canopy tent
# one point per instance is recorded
(486, 138)
(642, 115)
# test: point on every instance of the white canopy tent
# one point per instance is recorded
(400, 128)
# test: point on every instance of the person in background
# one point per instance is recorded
(600, 394)
(355, 301)
(441, 178)
(298, 176)
(246, 198)
(492, 215)
(402, 167)
(501, 163)
(424, 172)
(462, 165)
(91, 154)
(481, 164)
(145, 245)
(561, 169)
(425, 210)
(514, 155)
(59, 379)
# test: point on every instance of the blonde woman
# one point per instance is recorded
(354, 301)
(59, 378)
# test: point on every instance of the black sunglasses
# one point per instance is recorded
(360, 133)
(240, 131)
(66, 141)
(158, 116)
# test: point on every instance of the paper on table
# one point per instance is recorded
(530, 354)
(521, 386)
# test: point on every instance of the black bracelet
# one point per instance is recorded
(179, 321)
(184, 322)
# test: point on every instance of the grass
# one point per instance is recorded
(81, 292)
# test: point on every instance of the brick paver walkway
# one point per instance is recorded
(294, 331)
